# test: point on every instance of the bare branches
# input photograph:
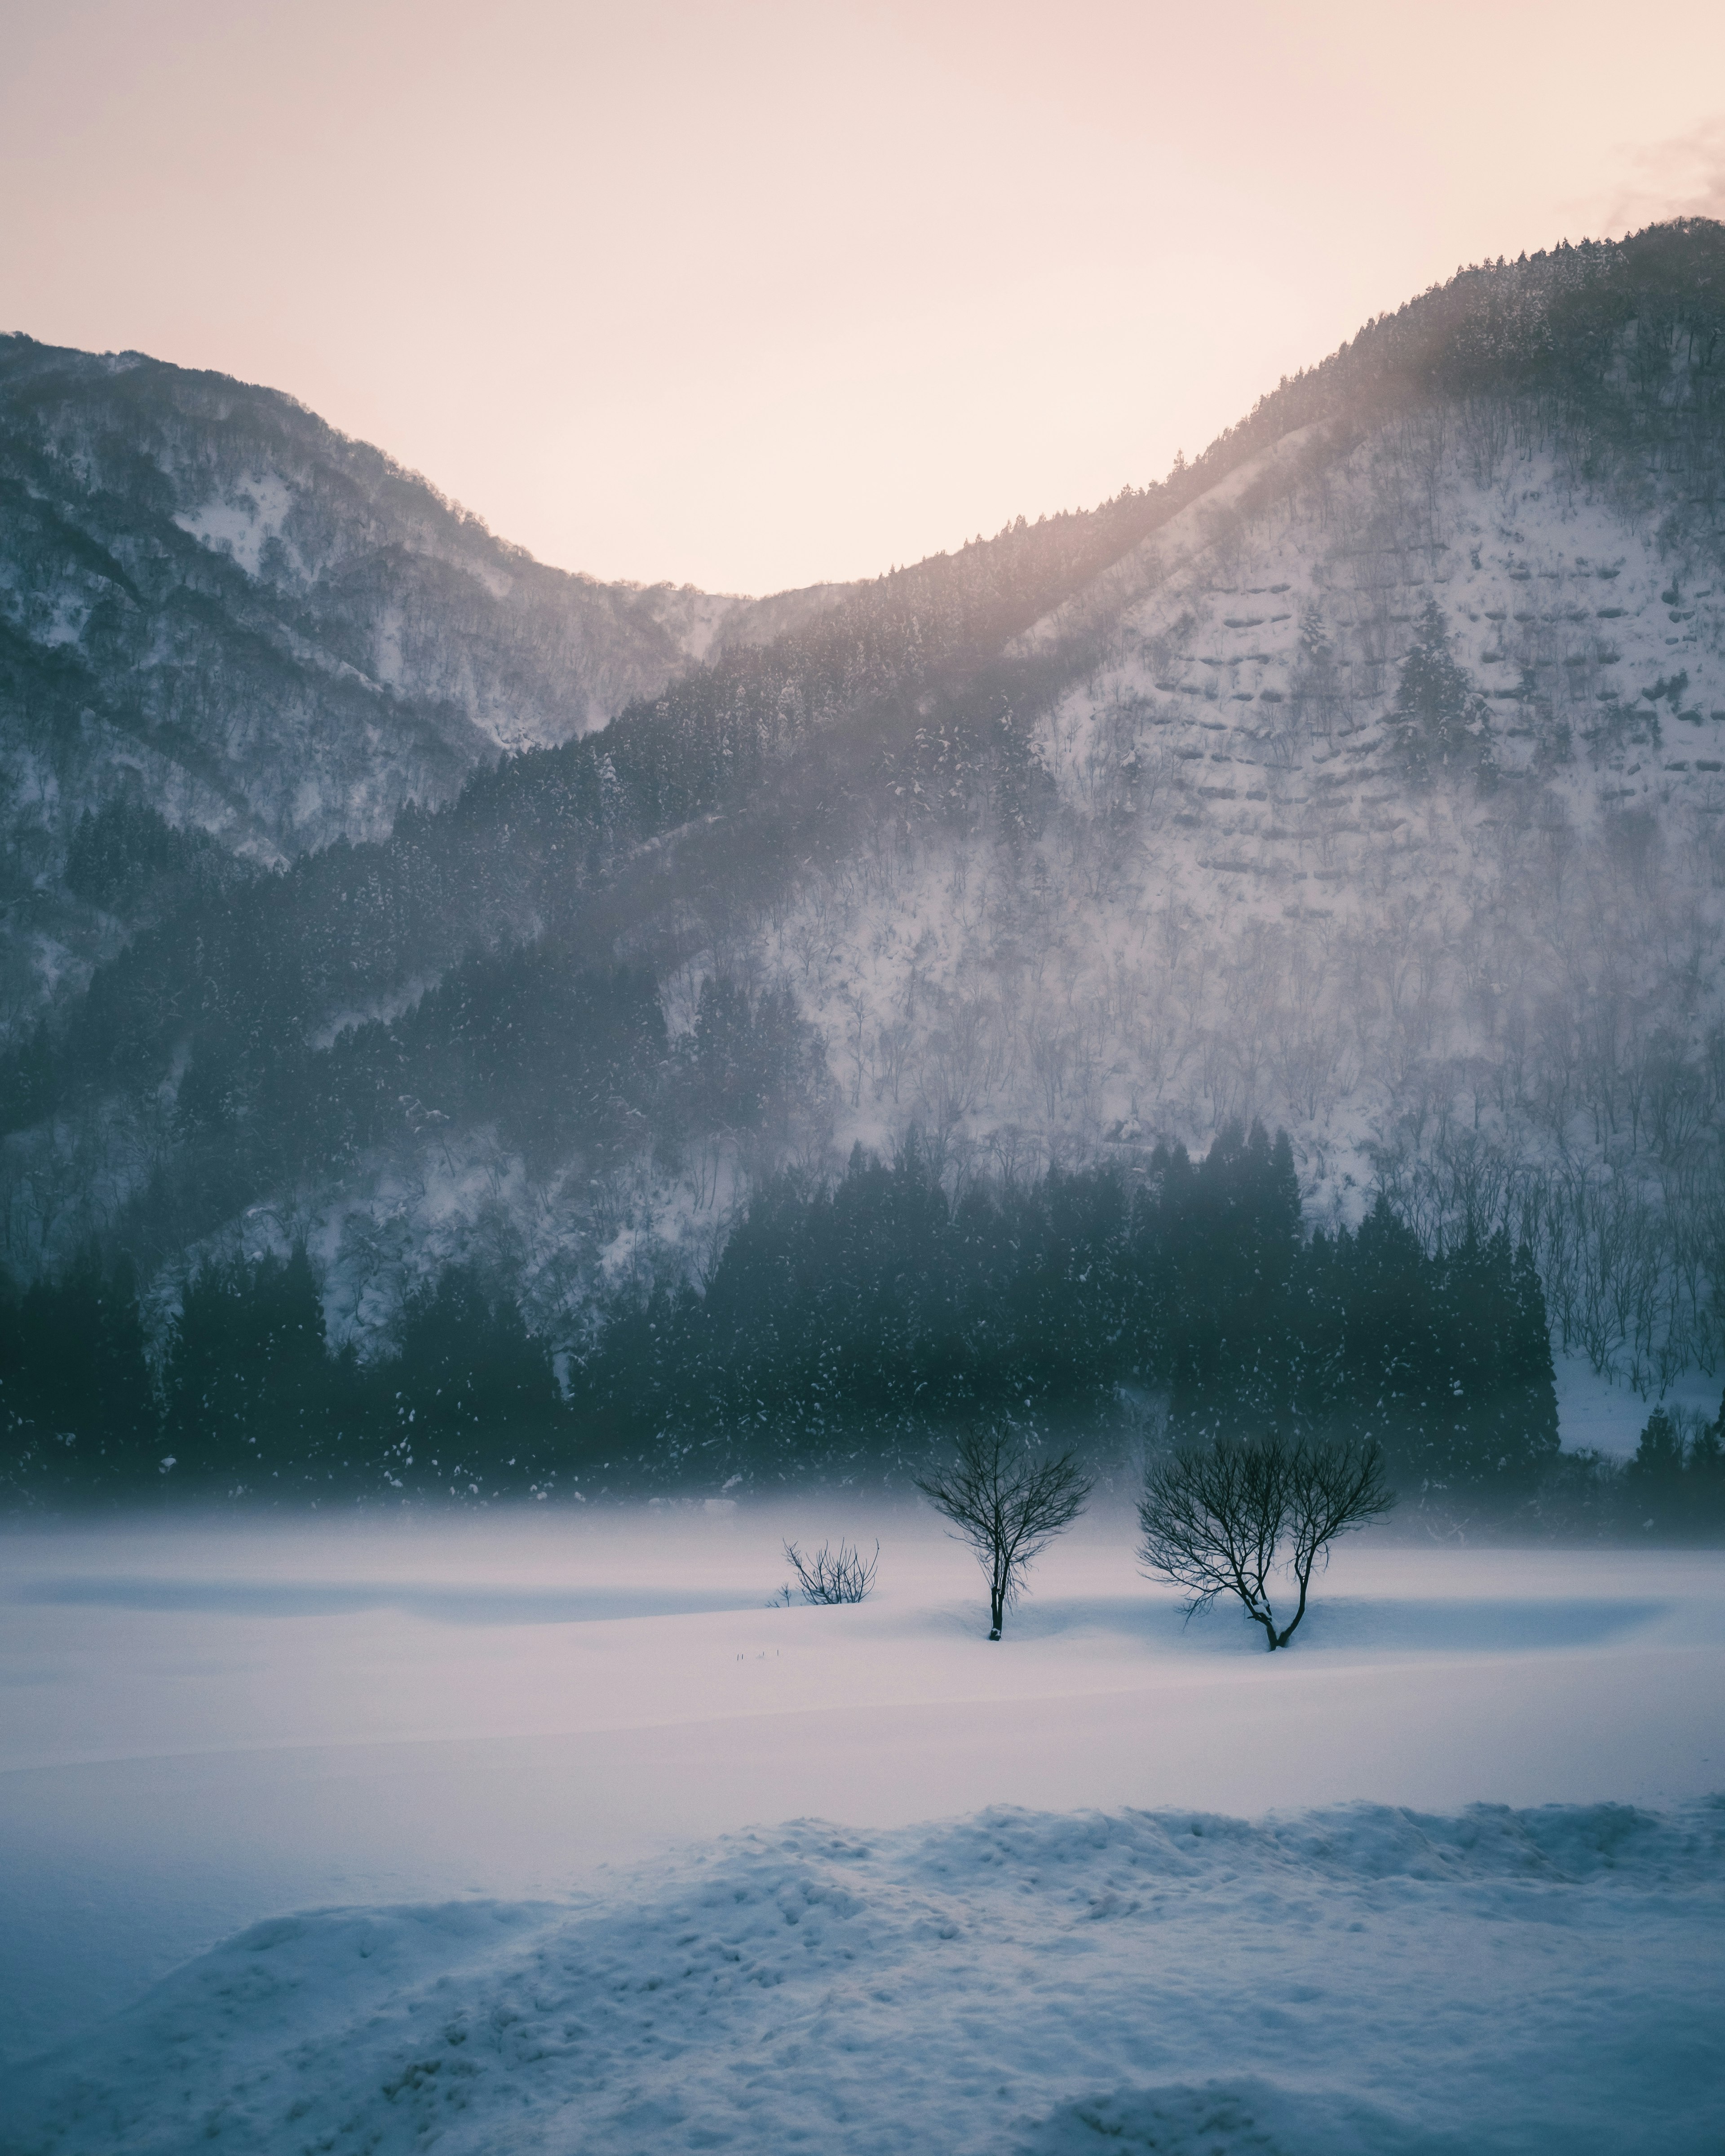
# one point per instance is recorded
(1211, 1520)
(1332, 1488)
(1008, 1504)
(1223, 1518)
(830, 1575)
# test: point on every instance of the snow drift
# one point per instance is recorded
(1356, 1978)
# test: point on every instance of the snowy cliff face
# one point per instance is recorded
(213, 604)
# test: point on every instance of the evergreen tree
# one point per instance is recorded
(1531, 1382)
(1658, 1462)
(1655, 1476)
(247, 1378)
(1441, 726)
(1704, 1474)
(1220, 1244)
(1494, 1414)
(1378, 1375)
(473, 1406)
(76, 1400)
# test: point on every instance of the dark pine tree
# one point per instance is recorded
(1704, 1474)
(1441, 724)
(76, 1400)
(246, 1379)
(1655, 1476)
(472, 1405)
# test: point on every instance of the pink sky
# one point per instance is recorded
(753, 295)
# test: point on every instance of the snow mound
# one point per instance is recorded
(1359, 1978)
(1250, 2118)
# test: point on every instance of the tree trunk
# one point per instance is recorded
(1289, 1631)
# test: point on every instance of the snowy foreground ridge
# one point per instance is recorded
(530, 1770)
(1359, 1979)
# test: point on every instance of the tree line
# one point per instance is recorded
(849, 1320)
(844, 1329)
(250, 1400)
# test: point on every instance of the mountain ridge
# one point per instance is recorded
(216, 606)
(1061, 843)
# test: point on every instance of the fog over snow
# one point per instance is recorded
(495, 1752)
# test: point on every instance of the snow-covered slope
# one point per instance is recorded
(214, 605)
(1376, 792)
(1354, 1983)
(1244, 901)
(360, 569)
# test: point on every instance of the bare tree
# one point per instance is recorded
(1008, 1504)
(830, 1575)
(1223, 1518)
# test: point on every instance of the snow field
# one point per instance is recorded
(530, 1768)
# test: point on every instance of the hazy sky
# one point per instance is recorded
(751, 295)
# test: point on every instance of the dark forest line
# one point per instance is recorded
(846, 1333)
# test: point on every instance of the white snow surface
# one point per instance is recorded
(243, 523)
(1221, 921)
(1360, 1979)
(528, 1776)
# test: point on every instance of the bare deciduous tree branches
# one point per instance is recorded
(1223, 1518)
(830, 1575)
(1008, 1504)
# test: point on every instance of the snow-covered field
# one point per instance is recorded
(534, 1773)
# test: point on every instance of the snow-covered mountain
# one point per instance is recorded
(1364, 776)
(1498, 981)
(213, 605)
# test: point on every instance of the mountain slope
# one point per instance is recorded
(216, 607)
(1388, 810)
(1364, 778)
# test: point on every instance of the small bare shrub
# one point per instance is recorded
(830, 1575)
